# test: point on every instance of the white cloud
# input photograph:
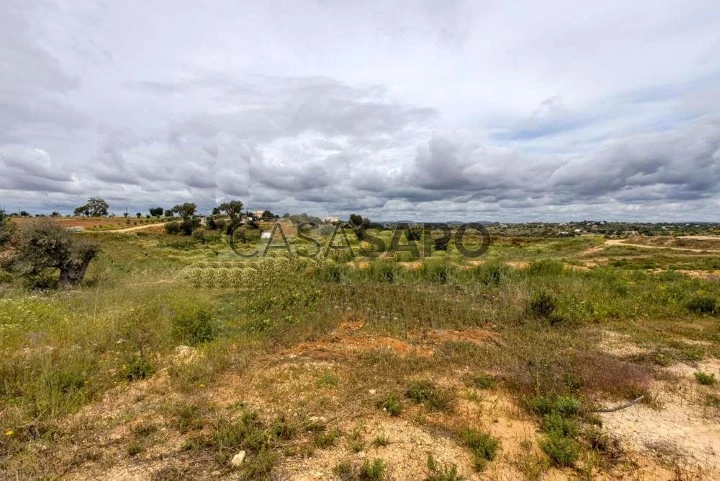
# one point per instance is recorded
(410, 109)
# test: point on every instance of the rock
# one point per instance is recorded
(372, 392)
(238, 459)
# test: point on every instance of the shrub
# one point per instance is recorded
(372, 471)
(562, 405)
(482, 381)
(702, 305)
(199, 235)
(562, 451)
(444, 472)
(484, 446)
(430, 395)
(193, 325)
(706, 379)
(542, 305)
(327, 439)
(567, 406)
(414, 233)
(491, 273)
(383, 271)
(138, 367)
(172, 227)
(557, 424)
(435, 271)
(545, 268)
(331, 272)
(391, 405)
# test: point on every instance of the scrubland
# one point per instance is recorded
(177, 359)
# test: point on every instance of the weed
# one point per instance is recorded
(542, 305)
(484, 446)
(138, 368)
(702, 305)
(561, 450)
(193, 325)
(530, 464)
(442, 472)
(327, 439)
(144, 429)
(344, 470)
(372, 470)
(135, 448)
(259, 466)
(427, 393)
(380, 441)
(706, 379)
(187, 417)
(562, 405)
(327, 379)
(391, 405)
(482, 381)
(557, 424)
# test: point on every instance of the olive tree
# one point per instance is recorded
(232, 209)
(44, 245)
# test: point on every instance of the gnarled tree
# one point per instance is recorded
(44, 245)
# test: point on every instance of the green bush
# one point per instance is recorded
(391, 405)
(557, 424)
(172, 227)
(444, 472)
(562, 451)
(383, 271)
(430, 395)
(542, 305)
(435, 271)
(702, 305)
(484, 446)
(706, 379)
(491, 274)
(372, 470)
(193, 325)
(482, 381)
(548, 268)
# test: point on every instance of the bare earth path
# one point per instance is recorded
(128, 229)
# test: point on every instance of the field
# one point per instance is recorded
(179, 359)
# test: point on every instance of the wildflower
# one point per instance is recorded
(9, 432)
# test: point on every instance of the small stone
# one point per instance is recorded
(361, 454)
(372, 391)
(238, 459)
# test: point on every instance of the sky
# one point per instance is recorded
(512, 110)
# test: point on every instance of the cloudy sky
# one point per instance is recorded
(442, 110)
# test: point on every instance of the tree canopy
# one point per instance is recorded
(95, 207)
(43, 245)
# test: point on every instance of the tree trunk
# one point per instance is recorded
(72, 272)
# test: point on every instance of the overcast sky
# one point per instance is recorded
(436, 110)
